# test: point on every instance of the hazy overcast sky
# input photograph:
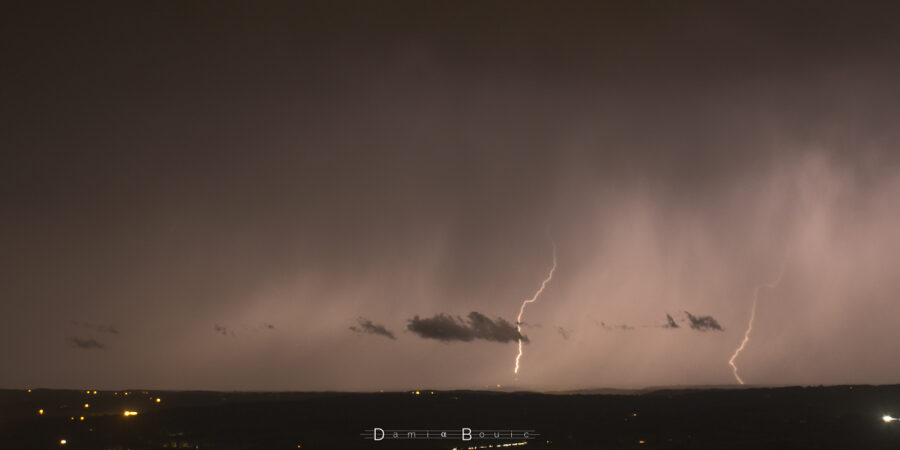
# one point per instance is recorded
(209, 196)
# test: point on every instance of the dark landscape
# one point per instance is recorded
(679, 418)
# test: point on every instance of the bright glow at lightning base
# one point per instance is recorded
(750, 324)
(532, 300)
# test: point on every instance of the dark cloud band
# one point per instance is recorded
(703, 323)
(478, 326)
(670, 322)
(368, 327)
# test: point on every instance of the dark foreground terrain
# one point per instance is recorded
(840, 417)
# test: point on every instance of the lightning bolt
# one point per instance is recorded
(750, 324)
(532, 300)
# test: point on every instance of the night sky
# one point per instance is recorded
(359, 196)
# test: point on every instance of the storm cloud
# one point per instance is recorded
(223, 330)
(703, 323)
(309, 164)
(368, 327)
(447, 328)
(670, 322)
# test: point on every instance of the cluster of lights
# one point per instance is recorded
(125, 413)
(411, 392)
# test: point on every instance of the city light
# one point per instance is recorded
(130, 413)
(87, 405)
(41, 412)
(62, 442)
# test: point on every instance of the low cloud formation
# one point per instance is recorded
(111, 329)
(447, 328)
(224, 331)
(614, 327)
(85, 343)
(562, 332)
(670, 322)
(703, 323)
(366, 326)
